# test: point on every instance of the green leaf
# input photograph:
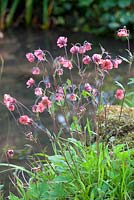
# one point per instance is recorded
(85, 94)
(123, 3)
(114, 25)
(57, 160)
(130, 54)
(57, 191)
(131, 81)
(13, 197)
(39, 191)
(62, 179)
(82, 3)
(124, 59)
(120, 85)
(69, 82)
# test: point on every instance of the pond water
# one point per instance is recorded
(17, 70)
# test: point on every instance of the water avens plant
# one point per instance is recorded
(84, 165)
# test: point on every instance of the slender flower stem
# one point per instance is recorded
(130, 61)
(2, 66)
(66, 52)
(128, 43)
(121, 110)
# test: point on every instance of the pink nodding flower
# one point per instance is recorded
(62, 41)
(39, 54)
(67, 64)
(35, 71)
(9, 102)
(48, 85)
(34, 108)
(86, 60)
(87, 46)
(30, 57)
(82, 50)
(60, 90)
(73, 97)
(61, 60)
(30, 82)
(74, 49)
(38, 91)
(97, 58)
(60, 72)
(46, 102)
(87, 87)
(39, 108)
(58, 97)
(122, 32)
(106, 64)
(116, 62)
(10, 153)
(25, 120)
(119, 94)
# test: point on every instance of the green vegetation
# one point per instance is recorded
(75, 171)
(95, 16)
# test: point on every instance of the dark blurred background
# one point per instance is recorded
(94, 16)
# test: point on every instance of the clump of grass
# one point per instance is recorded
(76, 171)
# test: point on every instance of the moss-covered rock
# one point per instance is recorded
(117, 128)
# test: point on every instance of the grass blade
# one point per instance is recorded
(28, 11)
(10, 16)
(45, 14)
(3, 7)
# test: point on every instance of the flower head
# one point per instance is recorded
(58, 97)
(46, 102)
(39, 54)
(10, 153)
(61, 60)
(25, 120)
(38, 91)
(9, 102)
(73, 97)
(30, 57)
(67, 64)
(82, 49)
(122, 32)
(86, 60)
(62, 41)
(87, 87)
(74, 49)
(106, 64)
(30, 82)
(35, 71)
(48, 85)
(59, 71)
(119, 94)
(87, 46)
(116, 62)
(97, 58)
